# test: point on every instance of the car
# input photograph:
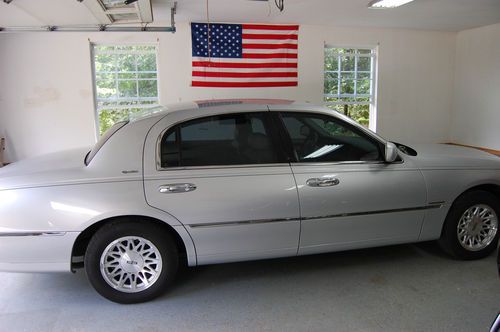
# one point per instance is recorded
(222, 181)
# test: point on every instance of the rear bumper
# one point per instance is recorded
(36, 251)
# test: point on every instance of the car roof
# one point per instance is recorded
(191, 110)
(225, 105)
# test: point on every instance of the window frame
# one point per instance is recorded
(93, 54)
(372, 103)
(293, 154)
(274, 136)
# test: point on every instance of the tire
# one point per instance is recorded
(469, 245)
(139, 261)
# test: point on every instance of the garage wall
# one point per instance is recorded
(476, 106)
(46, 99)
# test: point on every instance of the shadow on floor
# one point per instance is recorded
(308, 265)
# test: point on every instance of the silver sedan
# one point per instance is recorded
(233, 180)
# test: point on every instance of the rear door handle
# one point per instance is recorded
(322, 182)
(176, 188)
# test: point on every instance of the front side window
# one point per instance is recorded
(321, 138)
(234, 139)
(349, 85)
(126, 82)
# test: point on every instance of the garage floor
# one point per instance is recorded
(409, 287)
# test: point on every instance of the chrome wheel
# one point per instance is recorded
(131, 264)
(477, 227)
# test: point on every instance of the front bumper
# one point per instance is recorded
(36, 251)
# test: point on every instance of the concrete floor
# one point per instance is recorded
(399, 288)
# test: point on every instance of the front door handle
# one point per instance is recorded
(176, 188)
(323, 182)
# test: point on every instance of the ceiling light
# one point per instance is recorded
(387, 3)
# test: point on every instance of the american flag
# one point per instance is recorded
(244, 55)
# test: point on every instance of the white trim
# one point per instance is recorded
(347, 103)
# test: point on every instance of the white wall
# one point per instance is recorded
(476, 102)
(46, 100)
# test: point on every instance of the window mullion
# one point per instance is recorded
(136, 79)
(339, 76)
(355, 74)
(117, 92)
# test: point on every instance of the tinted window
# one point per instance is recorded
(234, 139)
(317, 138)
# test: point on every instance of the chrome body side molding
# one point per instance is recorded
(262, 221)
(243, 222)
(364, 213)
(14, 234)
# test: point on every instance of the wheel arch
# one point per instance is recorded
(448, 238)
(488, 187)
(183, 241)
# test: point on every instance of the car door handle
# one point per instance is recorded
(322, 182)
(177, 188)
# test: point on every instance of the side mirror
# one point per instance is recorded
(391, 152)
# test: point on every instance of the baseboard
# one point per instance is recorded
(495, 152)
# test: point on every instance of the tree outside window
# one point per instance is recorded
(349, 82)
(126, 82)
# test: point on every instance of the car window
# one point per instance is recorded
(235, 139)
(321, 138)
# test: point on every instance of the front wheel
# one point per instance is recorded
(471, 227)
(131, 262)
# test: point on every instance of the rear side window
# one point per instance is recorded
(234, 139)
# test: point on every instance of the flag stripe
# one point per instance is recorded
(270, 27)
(269, 32)
(244, 75)
(270, 46)
(241, 60)
(269, 55)
(247, 79)
(244, 64)
(269, 41)
(243, 84)
(245, 70)
(268, 36)
(277, 50)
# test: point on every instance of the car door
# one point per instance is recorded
(225, 178)
(349, 197)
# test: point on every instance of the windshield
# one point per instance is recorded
(104, 138)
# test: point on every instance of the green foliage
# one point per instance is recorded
(108, 117)
(358, 112)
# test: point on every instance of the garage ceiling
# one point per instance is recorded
(445, 15)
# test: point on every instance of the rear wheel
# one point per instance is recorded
(131, 262)
(471, 227)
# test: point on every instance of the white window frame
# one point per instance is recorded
(97, 108)
(373, 80)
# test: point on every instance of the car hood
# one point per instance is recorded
(49, 169)
(453, 157)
